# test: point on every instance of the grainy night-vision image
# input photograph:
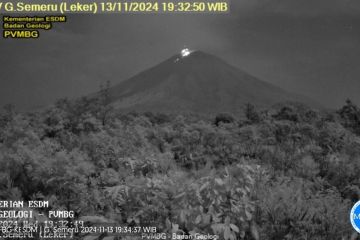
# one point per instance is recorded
(176, 124)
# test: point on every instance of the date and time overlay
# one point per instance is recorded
(37, 220)
(28, 20)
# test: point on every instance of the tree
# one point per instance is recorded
(224, 118)
(7, 115)
(287, 113)
(251, 114)
(106, 108)
(350, 116)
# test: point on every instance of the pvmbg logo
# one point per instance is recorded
(355, 216)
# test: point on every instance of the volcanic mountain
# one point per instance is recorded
(195, 82)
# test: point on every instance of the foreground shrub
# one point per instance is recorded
(293, 208)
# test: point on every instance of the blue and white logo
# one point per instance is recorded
(355, 216)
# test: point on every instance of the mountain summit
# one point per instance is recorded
(197, 82)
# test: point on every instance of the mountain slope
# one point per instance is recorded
(199, 82)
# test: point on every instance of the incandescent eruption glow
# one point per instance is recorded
(185, 52)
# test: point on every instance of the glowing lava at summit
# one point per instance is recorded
(185, 52)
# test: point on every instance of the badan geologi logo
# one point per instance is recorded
(355, 216)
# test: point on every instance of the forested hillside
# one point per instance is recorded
(288, 172)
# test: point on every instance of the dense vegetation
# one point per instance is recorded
(288, 172)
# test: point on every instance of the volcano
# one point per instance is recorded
(196, 82)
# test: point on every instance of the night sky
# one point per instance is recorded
(311, 47)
